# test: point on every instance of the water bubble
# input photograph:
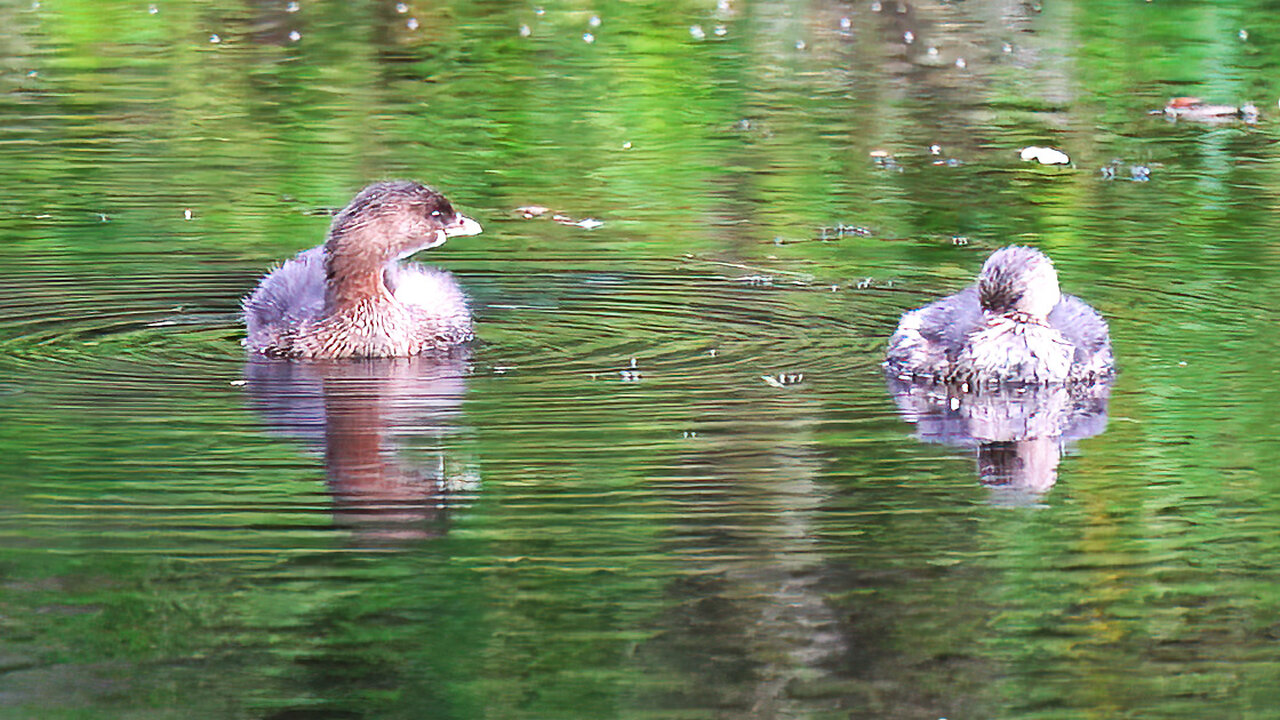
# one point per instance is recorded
(292, 7)
(412, 23)
(721, 31)
(697, 32)
(152, 10)
(960, 63)
(845, 23)
(525, 31)
(588, 38)
(908, 37)
(594, 21)
(402, 8)
(295, 36)
(215, 39)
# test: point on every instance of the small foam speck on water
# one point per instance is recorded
(525, 31)
(845, 23)
(876, 6)
(594, 21)
(402, 8)
(1006, 49)
(908, 37)
(295, 36)
(960, 63)
(539, 11)
(292, 7)
(215, 39)
(1244, 34)
(800, 45)
(588, 38)
(721, 31)
(697, 32)
(152, 10)
(186, 214)
(412, 23)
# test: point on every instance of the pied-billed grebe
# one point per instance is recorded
(1013, 326)
(351, 298)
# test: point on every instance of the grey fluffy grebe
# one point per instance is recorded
(1013, 326)
(352, 298)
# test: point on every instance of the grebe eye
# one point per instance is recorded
(435, 213)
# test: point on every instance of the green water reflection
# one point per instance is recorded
(537, 532)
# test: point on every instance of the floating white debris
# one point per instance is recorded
(1006, 48)
(697, 32)
(588, 38)
(932, 52)
(960, 63)
(292, 7)
(215, 39)
(589, 224)
(402, 8)
(412, 23)
(525, 31)
(876, 6)
(1244, 34)
(237, 383)
(800, 45)
(626, 145)
(1045, 155)
(539, 11)
(908, 37)
(845, 23)
(531, 211)
(186, 214)
(152, 10)
(935, 149)
(723, 6)
(295, 36)
(955, 403)
(721, 31)
(594, 21)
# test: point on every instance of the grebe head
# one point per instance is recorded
(394, 219)
(1018, 280)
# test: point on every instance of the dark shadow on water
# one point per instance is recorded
(1018, 433)
(381, 426)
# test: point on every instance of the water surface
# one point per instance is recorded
(670, 480)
